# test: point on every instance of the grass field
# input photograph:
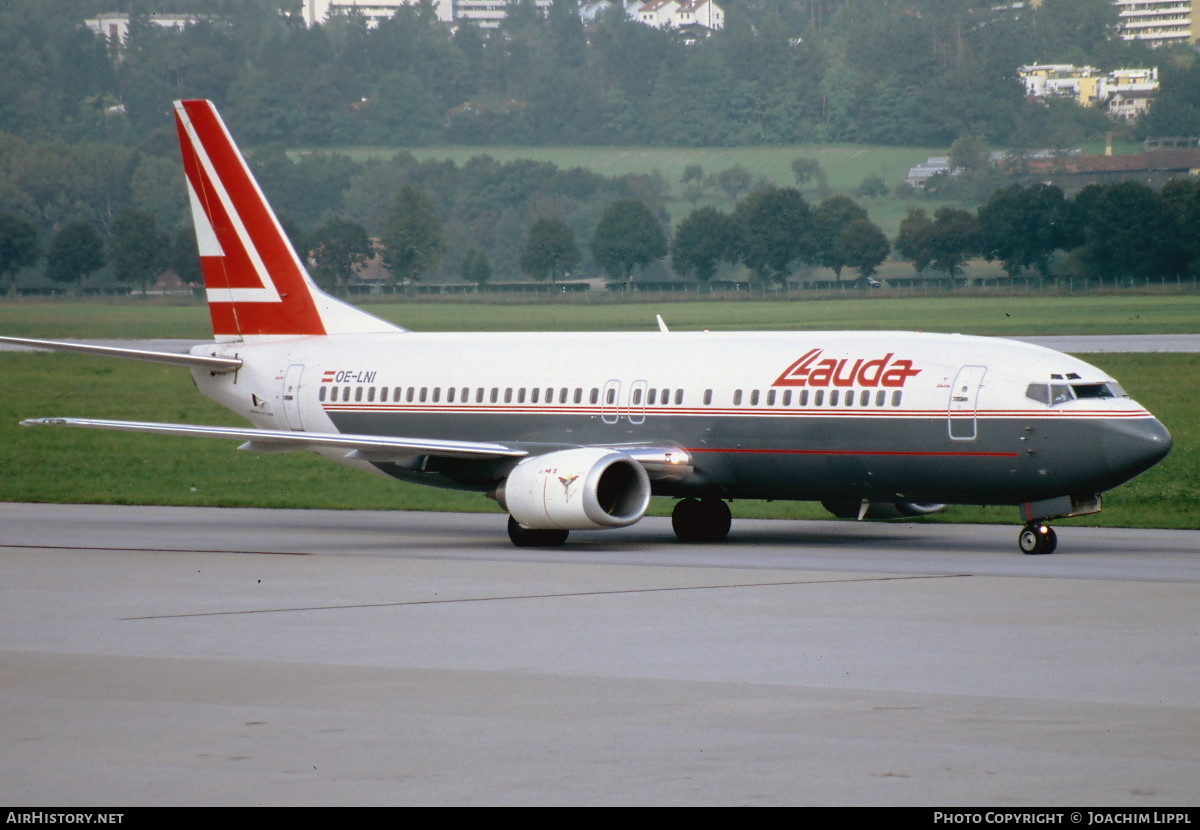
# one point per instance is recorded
(58, 465)
(845, 167)
(1096, 314)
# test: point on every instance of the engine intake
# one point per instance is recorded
(582, 489)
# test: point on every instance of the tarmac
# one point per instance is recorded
(196, 656)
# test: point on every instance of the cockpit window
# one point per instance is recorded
(1053, 394)
(1097, 390)
(1049, 393)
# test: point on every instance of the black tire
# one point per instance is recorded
(686, 520)
(704, 520)
(1037, 539)
(524, 537)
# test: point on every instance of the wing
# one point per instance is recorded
(364, 447)
(661, 462)
(190, 361)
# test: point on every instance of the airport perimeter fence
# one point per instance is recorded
(721, 290)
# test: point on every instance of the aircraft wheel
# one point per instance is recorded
(703, 520)
(1036, 539)
(524, 537)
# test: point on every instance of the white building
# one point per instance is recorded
(489, 14)
(681, 15)
(1125, 93)
(677, 14)
(115, 27)
(317, 11)
(1159, 22)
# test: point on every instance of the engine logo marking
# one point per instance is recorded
(566, 482)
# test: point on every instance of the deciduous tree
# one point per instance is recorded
(475, 267)
(138, 250)
(412, 236)
(1127, 232)
(550, 250)
(627, 237)
(914, 241)
(808, 171)
(829, 219)
(865, 246)
(336, 250)
(734, 181)
(1023, 226)
(76, 251)
(776, 231)
(955, 239)
(18, 246)
(704, 239)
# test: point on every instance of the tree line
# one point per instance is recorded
(1109, 232)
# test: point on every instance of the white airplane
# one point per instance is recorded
(578, 431)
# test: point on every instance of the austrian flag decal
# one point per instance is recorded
(813, 370)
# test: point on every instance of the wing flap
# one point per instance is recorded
(374, 447)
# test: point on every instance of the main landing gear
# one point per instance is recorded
(1037, 538)
(701, 520)
(523, 537)
(693, 520)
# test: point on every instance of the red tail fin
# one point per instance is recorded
(256, 284)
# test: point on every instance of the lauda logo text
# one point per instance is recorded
(813, 370)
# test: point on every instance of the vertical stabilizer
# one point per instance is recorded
(257, 286)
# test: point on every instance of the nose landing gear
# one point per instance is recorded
(1037, 538)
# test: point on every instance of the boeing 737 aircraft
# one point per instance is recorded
(578, 431)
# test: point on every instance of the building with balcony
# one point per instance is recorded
(1124, 93)
(1159, 22)
(317, 11)
(693, 18)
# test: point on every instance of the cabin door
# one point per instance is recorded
(609, 406)
(291, 396)
(636, 413)
(964, 395)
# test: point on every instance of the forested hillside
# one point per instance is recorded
(917, 72)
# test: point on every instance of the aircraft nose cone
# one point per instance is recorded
(1135, 445)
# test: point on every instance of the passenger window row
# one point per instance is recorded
(639, 396)
(455, 394)
(818, 397)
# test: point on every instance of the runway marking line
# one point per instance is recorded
(545, 596)
(158, 550)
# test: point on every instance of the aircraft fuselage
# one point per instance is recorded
(804, 415)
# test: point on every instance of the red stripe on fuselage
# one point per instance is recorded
(907, 453)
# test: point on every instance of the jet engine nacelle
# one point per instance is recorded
(880, 510)
(582, 489)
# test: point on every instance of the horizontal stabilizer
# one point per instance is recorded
(190, 361)
(375, 447)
